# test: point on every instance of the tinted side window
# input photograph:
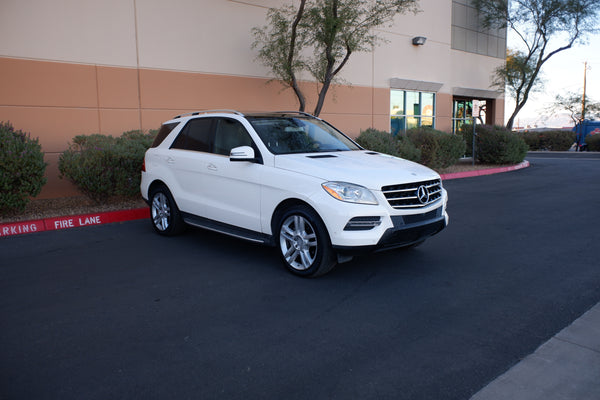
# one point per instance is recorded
(196, 135)
(230, 133)
(164, 131)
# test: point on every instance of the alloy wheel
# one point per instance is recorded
(298, 242)
(161, 211)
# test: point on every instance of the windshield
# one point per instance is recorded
(286, 135)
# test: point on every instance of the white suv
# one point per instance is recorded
(290, 180)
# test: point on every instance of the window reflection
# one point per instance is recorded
(463, 111)
(411, 109)
(412, 122)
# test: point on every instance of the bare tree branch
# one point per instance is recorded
(333, 29)
(540, 25)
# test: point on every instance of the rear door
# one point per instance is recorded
(187, 159)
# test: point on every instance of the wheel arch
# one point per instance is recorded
(325, 257)
(169, 211)
(155, 184)
(159, 183)
(286, 204)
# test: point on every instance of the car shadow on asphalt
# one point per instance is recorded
(226, 252)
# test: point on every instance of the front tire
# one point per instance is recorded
(304, 243)
(164, 214)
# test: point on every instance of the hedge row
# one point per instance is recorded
(383, 142)
(424, 145)
(593, 142)
(555, 140)
(105, 166)
(427, 146)
(438, 149)
(22, 168)
(495, 144)
(100, 166)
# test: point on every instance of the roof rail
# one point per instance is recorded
(209, 111)
(294, 112)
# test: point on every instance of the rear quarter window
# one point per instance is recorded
(164, 131)
(196, 135)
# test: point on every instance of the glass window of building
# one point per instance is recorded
(409, 109)
(464, 110)
(469, 34)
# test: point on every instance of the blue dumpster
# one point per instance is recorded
(583, 129)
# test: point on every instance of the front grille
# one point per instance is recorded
(400, 221)
(413, 195)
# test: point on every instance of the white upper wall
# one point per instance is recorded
(435, 61)
(210, 36)
(214, 36)
(82, 31)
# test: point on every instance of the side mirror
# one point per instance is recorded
(242, 153)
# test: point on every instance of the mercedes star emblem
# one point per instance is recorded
(423, 194)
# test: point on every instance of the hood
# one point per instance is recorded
(366, 168)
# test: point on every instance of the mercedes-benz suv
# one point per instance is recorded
(290, 180)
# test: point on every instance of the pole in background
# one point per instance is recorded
(585, 68)
(474, 134)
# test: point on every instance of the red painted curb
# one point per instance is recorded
(481, 172)
(74, 221)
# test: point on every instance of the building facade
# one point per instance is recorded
(70, 67)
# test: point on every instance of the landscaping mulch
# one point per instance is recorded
(65, 206)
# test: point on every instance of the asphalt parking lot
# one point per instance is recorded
(115, 311)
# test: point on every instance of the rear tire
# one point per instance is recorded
(164, 214)
(304, 243)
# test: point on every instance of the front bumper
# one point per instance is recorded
(358, 228)
(404, 233)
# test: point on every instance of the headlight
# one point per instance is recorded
(349, 193)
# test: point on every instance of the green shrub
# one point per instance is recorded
(384, 142)
(22, 168)
(452, 148)
(104, 166)
(466, 132)
(593, 142)
(559, 140)
(438, 149)
(497, 145)
(533, 140)
(554, 140)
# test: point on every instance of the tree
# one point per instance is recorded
(515, 73)
(571, 102)
(319, 36)
(544, 28)
(281, 43)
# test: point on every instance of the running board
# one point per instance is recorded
(226, 229)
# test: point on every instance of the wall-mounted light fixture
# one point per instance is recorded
(419, 40)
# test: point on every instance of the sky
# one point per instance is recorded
(562, 73)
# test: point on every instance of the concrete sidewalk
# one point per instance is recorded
(567, 367)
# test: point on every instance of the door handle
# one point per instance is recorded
(211, 167)
(170, 160)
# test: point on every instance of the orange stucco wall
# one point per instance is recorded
(56, 101)
(443, 112)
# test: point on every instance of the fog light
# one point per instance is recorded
(362, 223)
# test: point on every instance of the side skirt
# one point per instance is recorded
(226, 229)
